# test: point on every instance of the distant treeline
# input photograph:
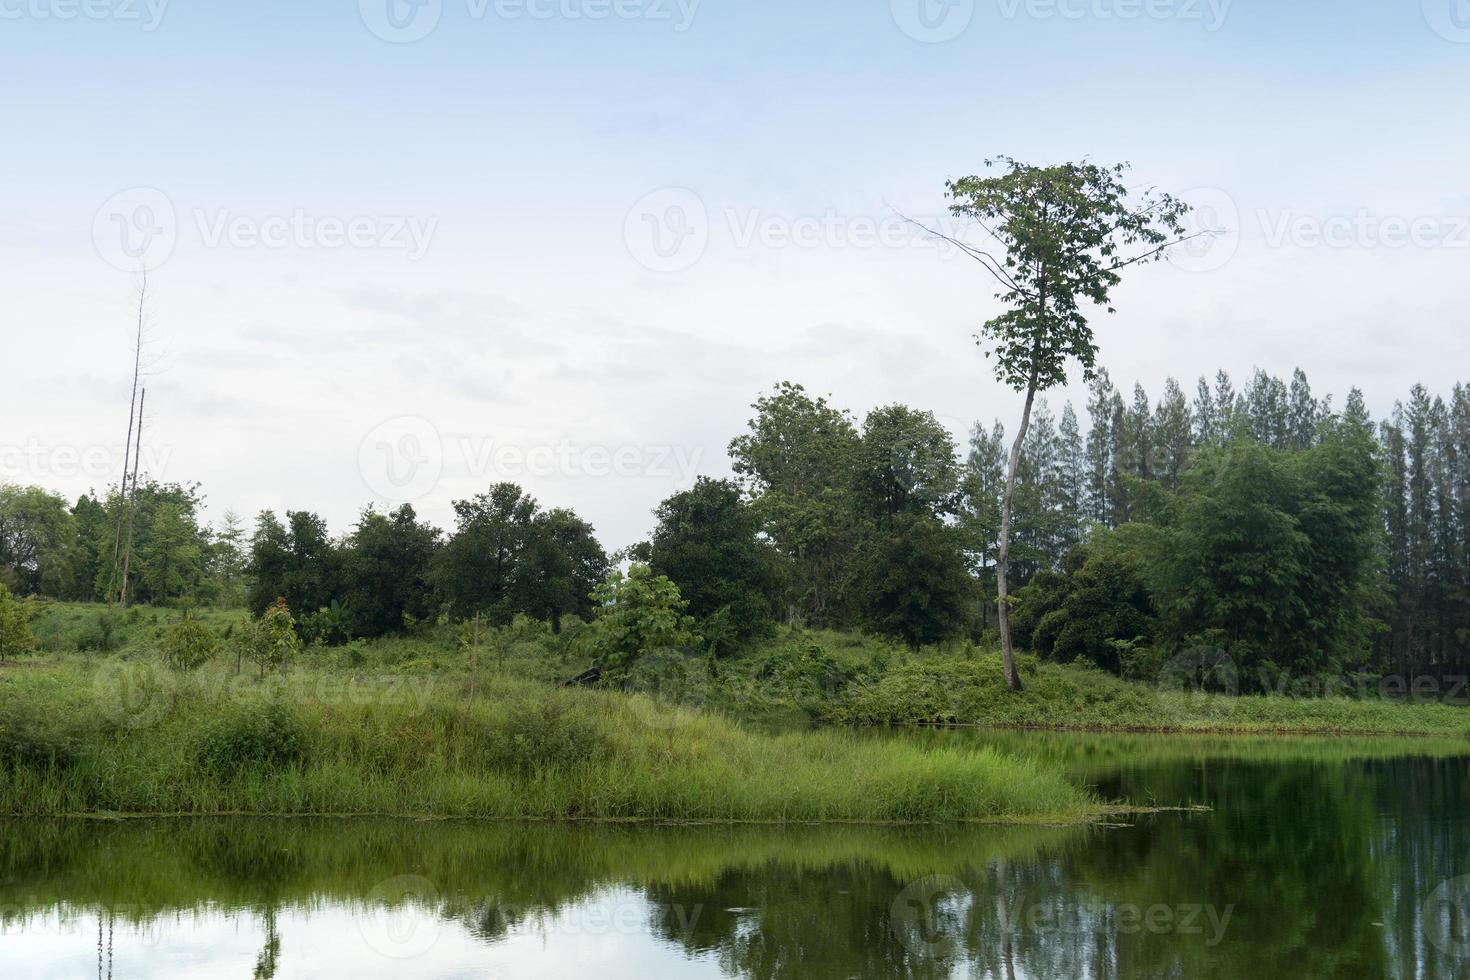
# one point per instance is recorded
(1297, 536)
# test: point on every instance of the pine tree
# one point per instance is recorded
(1072, 467)
(1303, 413)
(1396, 535)
(1225, 406)
(1100, 462)
(1206, 415)
(1172, 435)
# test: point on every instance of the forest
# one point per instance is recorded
(1301, 537)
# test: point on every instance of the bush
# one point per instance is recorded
(32, 739)
(542, 735)
(252, 737)
(1097, 610)
(640, 612)
(100, 635)
(804, 669)
(15, 628)
(270, 640)
(188, 645)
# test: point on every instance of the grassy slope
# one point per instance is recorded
(395, 726)
(972, 692)
(117, 732)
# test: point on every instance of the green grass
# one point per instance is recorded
(93, 722)
(82, 738)
(972, 692)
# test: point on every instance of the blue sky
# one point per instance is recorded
(506, 173)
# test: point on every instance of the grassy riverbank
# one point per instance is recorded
(972, 692)
(132, 738)
(93, 722)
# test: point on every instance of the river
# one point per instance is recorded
(1287, 859)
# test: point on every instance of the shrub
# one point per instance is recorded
(100, 634)
(804, 669)
(33, 739)
(270, 640)
(255, 737)
(640, 612)
(188, 645)
(15, 627)
(541, 735)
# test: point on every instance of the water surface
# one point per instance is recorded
(1312, 859)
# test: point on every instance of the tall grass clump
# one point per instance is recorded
(251, 737)
(514, 750)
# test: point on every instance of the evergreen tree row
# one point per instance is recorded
(1297, 535)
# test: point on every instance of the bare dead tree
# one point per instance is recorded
(132, 504)
(132, 408)
(140, 370)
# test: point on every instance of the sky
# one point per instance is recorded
(399, 250)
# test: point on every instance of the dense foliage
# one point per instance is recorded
(1261, 522)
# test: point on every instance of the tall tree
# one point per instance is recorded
(38, 541)
(385, 571)
(296, 561)
(1100, 458)
(982, 487)
(225, 561)
(564, 564)
(1067, 233)
(171, 558)
(707, 541)
(1173, 438)
(481, 569)
(798, 465)
(134, 409)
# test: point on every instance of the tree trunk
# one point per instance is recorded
(122, 596)
(112, 582)
(474, 653)
(1003, 555)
